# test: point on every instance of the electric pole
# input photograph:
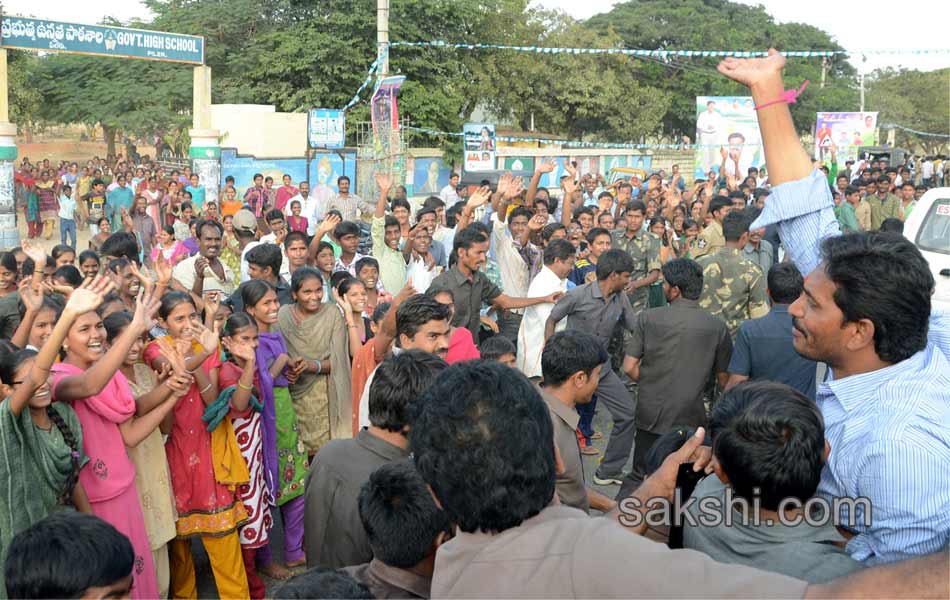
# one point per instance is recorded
(382, 38)
(824, 69)
(864, 59)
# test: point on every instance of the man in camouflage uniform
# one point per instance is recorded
(644, 248)
(711, 239)
(734, 287)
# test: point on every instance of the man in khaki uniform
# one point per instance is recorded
(644, 248)
(884, 205)
(711, 238)
(733, 287)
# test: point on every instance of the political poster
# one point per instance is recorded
(479, 146)
(846, 131)
(726, 124)
(326, 128)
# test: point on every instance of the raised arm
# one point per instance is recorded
(545, 167)
(478, 198)
(387, 329)
(385, 182)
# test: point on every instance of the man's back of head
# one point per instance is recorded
(785, 283)
(734, 225)
(398, 381)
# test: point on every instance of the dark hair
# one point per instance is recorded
(718, 203)
(275, 214)
(116, 323)
(8, 261)
(186, 205)
(339, 277)
(400, 203)
(303, 274)
(390, 221)
(851, 189)
(882, 277)
(734, 225)
(236, 322)
(482, 439)
(324, 246)
(87, 255)
(366, 261)
(168, 229)
(736, 195)
(569, 351)
(495, 347)
(207, 223)
(425, 210)
(433, 202)
(342, 178)
(53, 302)
(595, 232)
(70, 274)
(468, 237)
(347, 283)
(432, 291)
(253, 291)
(558, 250)
(613, 261)
(548, 231)
(892, 225)
(345, 228)
(121, 244)
(584, 210)
(520, 211)
(399, 515)
(319, 583)
(885, 180)
(397, 382)
(769, 436)
(42, 560)
(266, 255)
(379, 313)
(785, 283)
(117, 264)
(634, 206)
(61, 249)
(295, 236)
(171, 300)
(685, 274)
(415, 312)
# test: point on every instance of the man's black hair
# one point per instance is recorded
(275, 214)
(718, 203)
(584, 210)
(760, 192)
(482, 439)
(319, 583)
(569, 351)
(433, 202)
(295, 236)
(520, 211)
(892, 225)
(612, 261)
(426, 210)
(398, 381)
(882, 277)
(558, 250)
(379, 313)
(736, 195)
(390, 221)
(785, 283)
(734, 225)
(885, 180)
(399, 515)
(345, 228)
(596, 232)
(685, 274)
(266, 255)
(342, 178)
(495, 347)
(434, 291)
(70, 274)
(415, 312)
(366, 261)
(550, 229)
(851, 189)
(121, 244)
(769, 436)
(64, 555)
(202, 224)
(468, 237)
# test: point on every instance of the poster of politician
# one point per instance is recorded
(726, 123)
(847, 131)
(479, 146)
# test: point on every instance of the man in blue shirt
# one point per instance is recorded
(763, 348)
(865, 312)
(119, 198)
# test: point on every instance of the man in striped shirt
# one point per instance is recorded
(865, 312)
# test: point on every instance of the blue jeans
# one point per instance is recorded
(586, 423)
(67, 226)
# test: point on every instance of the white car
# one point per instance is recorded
(928, 227)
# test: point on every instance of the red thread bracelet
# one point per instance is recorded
(788, 96)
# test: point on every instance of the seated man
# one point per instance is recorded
(571, 362)
(69, 555)
(404, 527)
(334, 535)
(767, 438)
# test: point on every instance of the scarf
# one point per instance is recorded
(269, 347)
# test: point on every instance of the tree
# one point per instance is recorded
(117, 94)
(913, 99)
(720, 24)
(25, 100)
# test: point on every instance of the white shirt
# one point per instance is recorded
(184, 272)
(308, 210)
(514, 270)
(927, 169)
(363, 412)
(266, 239)
(449, 196)
(531, 333)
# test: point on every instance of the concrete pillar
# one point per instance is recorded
(9, 235)
(205, 150)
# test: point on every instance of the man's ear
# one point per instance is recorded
(862, 335)
(717, 469)
(827, 452)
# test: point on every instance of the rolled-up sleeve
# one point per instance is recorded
(804, 212)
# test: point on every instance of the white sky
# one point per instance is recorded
(917, 24)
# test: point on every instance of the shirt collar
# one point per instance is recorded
(563, 411)
(856, 390)
(400, 578)
(380, 446)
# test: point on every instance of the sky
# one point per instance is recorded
(854, 27)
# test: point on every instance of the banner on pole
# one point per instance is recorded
(326, 128)
(726, 124)
(847, 131)
(479, 142)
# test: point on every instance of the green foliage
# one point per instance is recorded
(25, 99)
(913, 99)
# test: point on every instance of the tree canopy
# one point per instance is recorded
(298, 54)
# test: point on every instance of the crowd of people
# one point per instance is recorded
(418, 413)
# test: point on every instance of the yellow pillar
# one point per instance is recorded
(4, 101)
(9, 236)
(205, 151)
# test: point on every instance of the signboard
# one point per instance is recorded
(848, 131)
(479, 147)
(101, 40)
(726, 123)
(384, 111)
(326, 128)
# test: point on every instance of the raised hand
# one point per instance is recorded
(327, 225)
(406, 292)
(547, 166)
(179, 384)
(82, 301)
(383, 180)
(723, 153)
(537, 223)
(36, 253)
(163, 270)
(146, 306)
(479, 197)
(212, 304)
(209, 338)
(753, 71)
(100, 284)
(147, 283)
(504, 182)
(31, 295)
(201, 263)
(515, 187)
(570, 186)
(241, 350)
(571, 170)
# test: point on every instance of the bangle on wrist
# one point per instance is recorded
(245, 387)
(205, 389)
(319, 366)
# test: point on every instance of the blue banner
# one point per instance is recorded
(326, 128)
(101, 40)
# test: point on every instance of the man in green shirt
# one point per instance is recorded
(908, 202)
(884, 205)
